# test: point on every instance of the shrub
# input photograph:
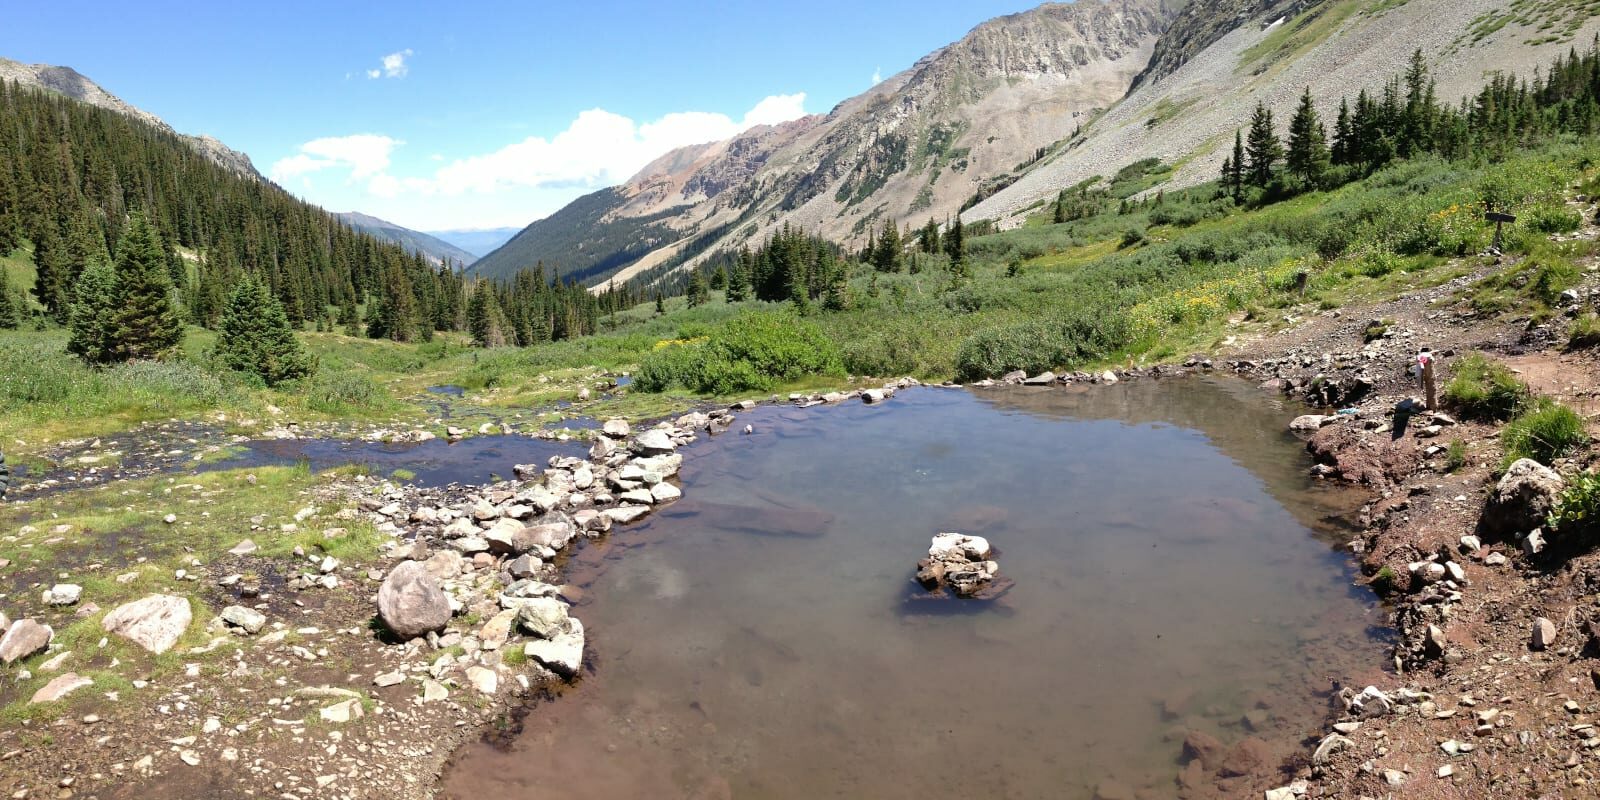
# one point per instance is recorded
(1544, 432)
(340, 391)
(1067, 340)
(1550, 218)
(1455, 457)
(1577, 510)
(1132, 237)
(1481, 388)
(751, 352)
(1585, 332)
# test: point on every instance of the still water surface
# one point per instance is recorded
(1174, 571)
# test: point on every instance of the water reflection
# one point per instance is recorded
(1169, 578)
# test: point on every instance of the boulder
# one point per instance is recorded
(544, 617)
(623, 515)
(443, 564)
(562, 653)
(59, 687)
(665, 492)
(1108, 377)
(1042, 379)
(63, 594)
(246, 619)
(508, 537)
(154, 623)
(24, 638)
(1309, 422)
(653, 443)
(1544, 634)
(483, 679)
(1523, 498)
(411, 603)
(1014, 377)
(617, 428)
(950, 545)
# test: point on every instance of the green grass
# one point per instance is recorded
(1545, 431)
(1481, 388)
(1296, 36)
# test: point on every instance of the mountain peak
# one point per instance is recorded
(71, 83)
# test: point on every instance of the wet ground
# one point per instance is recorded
(1175, 573)
(436, 462)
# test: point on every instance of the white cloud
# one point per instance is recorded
(600, 147)
(877, 76)
(365, 154)
(517, 182)
(394, 65)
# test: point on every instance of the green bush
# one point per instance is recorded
(1481, 388)
(1577, 511)
(752, 352)
(339, 392)
(1553, 217)
(1544, 432)
(1455, 456)
(1067, 340)
(1585, 332)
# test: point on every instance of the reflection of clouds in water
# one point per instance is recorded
(643, 572)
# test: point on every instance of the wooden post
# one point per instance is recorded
(1498, 219)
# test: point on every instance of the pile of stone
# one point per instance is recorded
(961, 566)
(491, 554)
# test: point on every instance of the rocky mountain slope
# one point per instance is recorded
(435, 249)
(68, 81)
(1205, 78)
(917, 145)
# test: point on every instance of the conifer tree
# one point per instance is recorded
(255, 337)
(52, 269)
(887, 256)
(661, 303)
(485, 318)
(90, 336)
(719, 279)
(837, 298)
(1342, 134)
(955, 244)
(1236, 167)
(144, 323)
(9, 318)
(1262, 146)
(1307, 157)
(930, 237)
(698, 293)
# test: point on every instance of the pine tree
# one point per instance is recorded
(255, 337)
(719, 279)
(698, 293)
(52, 269)
(930, 237)
(90, 336)
(1236, 167)
(143, 322)
(9, 318)
(837, 297)
(1262, 146)
(1342, 134)
(1308, 143)
(661, 303)
(955, 244)
(887, 256)
(485, 318)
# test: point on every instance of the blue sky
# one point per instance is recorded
(474, 115)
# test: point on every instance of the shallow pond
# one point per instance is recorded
(1174, 571)
(436, 462)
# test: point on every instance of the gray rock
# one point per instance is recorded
(562, 653)
(637, 496)
(1014, 377)
(63, 594)
(243, 548)
(411, 603)
(1523, 498)
(617, 428)
(524, 566)
(653, 443)
(508, 537)
(543, 617)
(872, 396)
(246, 619)
(623, 515)
(444, 564)
(665, 492)
(1308, 422)
(59, 687)
(24, 638)
(154, 623)
(1108, 377)
(468, 545)
(1042, 379)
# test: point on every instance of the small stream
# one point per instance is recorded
(1175, 571)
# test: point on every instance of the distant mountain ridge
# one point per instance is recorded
(436, 250)
(919, 144)
(71, 83)
(477, 241)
